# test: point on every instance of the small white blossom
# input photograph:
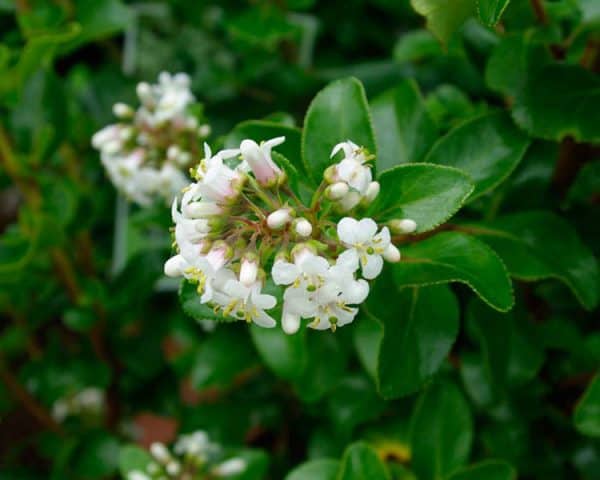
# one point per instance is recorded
(302, 227)
(137, 475)
(258, 159)
(229, 467)
(246, 303)
(216, 181)
(364, 244)
(160, 452)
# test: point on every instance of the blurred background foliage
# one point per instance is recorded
(82, 299)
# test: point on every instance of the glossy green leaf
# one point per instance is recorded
(418, 330)
(454, 257)
(487, 470)
(403, 129)
(488, 148)
(428, 194)
(285, 354)
(360, 462)
(191, 305)
(444, 18)
(587, 412)
(338, 113)
(561, 101)
(537, 245)
(490, 11)
(133, 458)
(441, 432)
(322, 469)
(261, 130)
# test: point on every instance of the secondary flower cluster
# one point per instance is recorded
(147, 151)
(241, 219)
(89, 402)
(193, 456)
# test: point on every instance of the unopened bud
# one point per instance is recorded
(248, 269)
(405, 225)
(173, 152)
(279, 218)
(372, 191)
(230, 467)
(173, 468)
(122, 110)
(160, 452)
(184, 158)
(290, 323)
(191, 123)
(302, 227)
(391, 254)
(174, 266)
(144, 93)
(330, 174)
(336, 190)
(204, 130)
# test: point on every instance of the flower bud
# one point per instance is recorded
(184, 158)
(330, 174)
(191, 123)
(144, 93)
(302, 227)
(204, 130)
(290, 323)
(219, 254)
(173, 152)
(248, 269)
(122, 110)
(173, 468)
(336, 190)
(160, 452)
(372, 192)
(391, 254)
(279, 218)
(405, 225)
(230, 467)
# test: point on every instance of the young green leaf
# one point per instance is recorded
(441, 432)
(428, 194)
(403, 127)
(490, 11)
(131, 458)
(587, 412)
(537, 245)
(360, 462)
(285, 354)
(488, 148)
(338, 113)
(454, 257)
(444, 17)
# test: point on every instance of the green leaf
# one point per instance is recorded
(213, 368)
(285, 354)
(16, 250)
(360, 462)
(428, 194)
(322, 469)
(444, 17)
(488, 148)
(97, 457)
(403, 128)
(537, 245)
(133, 458)
(441, 432)
(487, 470)
(587, 412)
(261, 130)
(561, 101)
(338, 113)
(419, 328)
(454, 257)
(490, 11)
(416, 46)
(189, 298)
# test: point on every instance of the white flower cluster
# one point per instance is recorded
(193, 455)
(89, 401)
(147, 151)
(241, 219)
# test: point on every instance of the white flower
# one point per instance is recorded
(189, 233)
(248, 269)
(352, 169)
(196, 444)
(160, 452)
(364, 244)
(337, 191)
(229, 467)
(246, 303)
(372, 191)
(216, 181)
(171, 96)
(258, 159)
(302, 227)
(137, 475)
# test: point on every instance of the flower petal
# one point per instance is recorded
(372, 267)
(348, 259)
(366, 230)
(264, 320)
(284, 273)
(347, 229)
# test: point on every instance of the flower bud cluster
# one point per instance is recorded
(193, 456)
(146, 153)
(89, 401)
(240, 228)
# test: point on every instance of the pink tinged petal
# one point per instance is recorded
(264, 320)
(347, 229)
(373, 266)
(367, 228)
(348, 259)
(284, 273)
